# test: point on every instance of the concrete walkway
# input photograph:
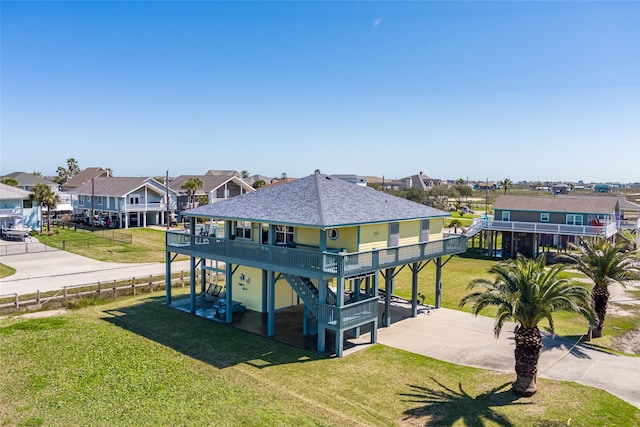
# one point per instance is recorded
(443, 334)
(464, 339)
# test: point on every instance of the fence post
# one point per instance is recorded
(133, 287)
(182, 278)
(65, 294)
(151, 282)
(99, 288)
(17, 302)
(115, 288)
(38, 297)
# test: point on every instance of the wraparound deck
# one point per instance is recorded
(606, 230)
(307, 261)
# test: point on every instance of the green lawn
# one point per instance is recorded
(137, 362)
(148, 244)
(6, 271)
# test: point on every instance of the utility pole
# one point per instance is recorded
(166, 187)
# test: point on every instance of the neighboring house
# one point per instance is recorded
(529, 223)
(86, 175)
(485, 185)
(27, 181)
(602, 188)
(316, 244)
(420, 181)
(16, 207)
(124, 202)
(215, 187)
(354, 179)
(561, 189)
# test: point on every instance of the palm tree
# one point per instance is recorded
(44, 194)
(506, 184)
(9, 181)
(604, 263)
(244, 174)
(527, 291)
(191, 185)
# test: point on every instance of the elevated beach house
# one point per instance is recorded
(317, 243)
(529, 224)
(123, 202)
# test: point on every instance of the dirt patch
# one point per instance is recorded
(629, 342)
(40, 314)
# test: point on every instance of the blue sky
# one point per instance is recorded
(536, 90)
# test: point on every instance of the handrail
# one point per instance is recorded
(547, 228)
(313, 261)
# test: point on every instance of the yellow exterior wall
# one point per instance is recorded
(249, 292)
(373, 236)
(347, 239)
(307, 236)
(436, 229)
(410, 232)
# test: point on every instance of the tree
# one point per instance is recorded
(258, 183)
(317, 171)
(65, 174)
(244, 174)
(438, 197)
(463, 192)
(9, 181)
(191, 185)
(506, 184)
(604, 263)
(283, 175)
(527, 291)
(43, 194)
(414, 194)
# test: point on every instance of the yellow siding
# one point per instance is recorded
(285, 296)
(347, 239)
(374, 236)
(410, 232)
(307, 236)
(436, 228)
(249, 292)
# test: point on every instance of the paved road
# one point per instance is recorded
(53, 269)
(443, 334)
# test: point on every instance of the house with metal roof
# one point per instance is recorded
(529, 224)
(215, 187)
(316, 243)
(123, 202)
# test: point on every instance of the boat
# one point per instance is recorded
(16, 231)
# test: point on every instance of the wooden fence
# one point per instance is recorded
(15, 302)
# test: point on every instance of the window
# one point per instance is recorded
(133, 200)
(333, 233)
(243, 229)
(284, 234)
(573, 219)
(506, 216)
(544, 216)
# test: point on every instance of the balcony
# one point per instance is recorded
(308, 261)
(606, 230)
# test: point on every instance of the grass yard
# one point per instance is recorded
(6, 271)
(137, 362)
(148, 244)
(460, 270)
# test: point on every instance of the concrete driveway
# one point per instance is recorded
(464, 339)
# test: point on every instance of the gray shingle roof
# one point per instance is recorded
(111, 186)
(317, 201)
(209, 182)
(578, 204)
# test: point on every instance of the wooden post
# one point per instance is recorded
(17, 302)
(38, 297)
(65, 294)
(151, 283)
(99, 289)
(115, 287)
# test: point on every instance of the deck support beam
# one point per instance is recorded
(438, 282)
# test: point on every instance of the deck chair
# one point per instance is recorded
(213, 292)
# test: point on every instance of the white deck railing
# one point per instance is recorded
(606, 230)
